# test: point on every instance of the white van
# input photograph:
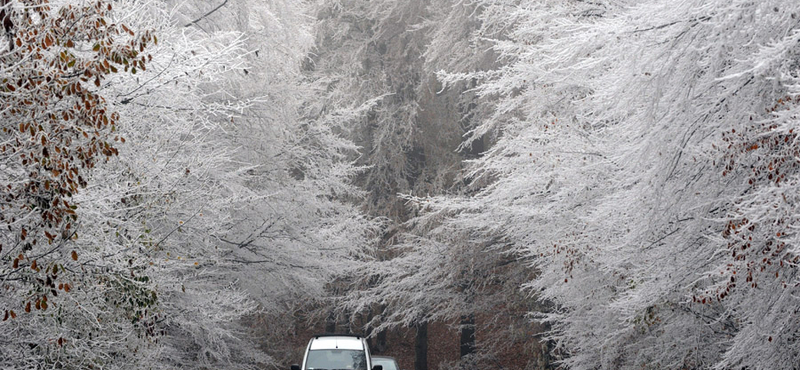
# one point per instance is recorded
(337, 352)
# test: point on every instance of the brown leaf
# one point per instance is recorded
(74, 256)
(28, 307)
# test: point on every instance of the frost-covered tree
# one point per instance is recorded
(295, 227)
(369, 54)
(641, 163)
(425, 272)
(60, 125)
(159, 163)
(283, 228)
(368, 50)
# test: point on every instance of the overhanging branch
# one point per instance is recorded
(207, 14)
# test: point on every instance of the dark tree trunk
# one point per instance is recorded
(330, 323)
(381, 341)
(8, 25)
(467, 335)
(421, 347)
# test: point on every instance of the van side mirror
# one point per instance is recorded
(376, 367)
(295, 367)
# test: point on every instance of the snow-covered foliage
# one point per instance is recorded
(182, 193)
(644, 164)
(367, 54)
(169, 170)
(423, 271)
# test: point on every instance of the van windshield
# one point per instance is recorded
(336, 359)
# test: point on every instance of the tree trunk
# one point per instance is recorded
(330, 323)
(467, 335)
(8, 25)
(421, 347)
(380, 339)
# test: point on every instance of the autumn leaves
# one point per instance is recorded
(57, 126)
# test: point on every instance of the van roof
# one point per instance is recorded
(337, 342)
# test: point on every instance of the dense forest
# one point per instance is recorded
(473, 184)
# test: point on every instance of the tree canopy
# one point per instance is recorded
(177, 176)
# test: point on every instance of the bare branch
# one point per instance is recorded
(207, 14)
